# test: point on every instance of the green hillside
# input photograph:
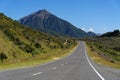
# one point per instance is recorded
(19, 43)
(107, 47)
(115, 33)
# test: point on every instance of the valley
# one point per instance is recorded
(60, 40)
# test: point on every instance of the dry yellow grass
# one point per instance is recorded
(98, 59)
(38, 61)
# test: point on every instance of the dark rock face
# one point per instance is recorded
(115, 33)
(92, 34)
(47, 22)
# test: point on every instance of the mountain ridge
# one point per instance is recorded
(91, 34)
(45, 21)
(115, 33)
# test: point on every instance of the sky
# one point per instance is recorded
(99, 16)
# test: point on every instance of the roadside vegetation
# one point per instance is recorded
(105, 50)
(20, 44)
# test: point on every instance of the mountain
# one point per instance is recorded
(45, 21)
(115, 33)
(19, 43)
(91, 34)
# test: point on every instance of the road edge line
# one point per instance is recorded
(92, 65)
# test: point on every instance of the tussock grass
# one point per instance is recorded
(23, 46)
(38, 60)
(100, 60)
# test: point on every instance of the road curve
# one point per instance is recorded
(74, 67)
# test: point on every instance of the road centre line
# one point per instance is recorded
(37, 73)
(54, 68)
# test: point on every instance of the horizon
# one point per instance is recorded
(96, 16)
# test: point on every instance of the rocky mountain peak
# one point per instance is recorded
(43, 14)
(45, 21)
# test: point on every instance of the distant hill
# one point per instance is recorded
(47, 22)
(20, 43)
(115, 33)
(91, 34)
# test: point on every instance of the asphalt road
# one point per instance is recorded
(74, 67)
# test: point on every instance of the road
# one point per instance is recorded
(77, 66)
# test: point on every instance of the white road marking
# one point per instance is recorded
(37, 73)
(54, 68)
(102, 78)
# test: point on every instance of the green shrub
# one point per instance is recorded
(37, 45)
(2, 56)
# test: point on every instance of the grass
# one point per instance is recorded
(22, 46)
(107, 47)
(100, 60)
(37, 61)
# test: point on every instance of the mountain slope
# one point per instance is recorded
(91, 34)
(19, 43)
(47, 22)
(115, 33)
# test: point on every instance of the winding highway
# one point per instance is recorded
(77, 66)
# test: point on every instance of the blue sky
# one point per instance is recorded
(96, 15)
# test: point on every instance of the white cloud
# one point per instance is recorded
(83, 29)
(91, 29)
